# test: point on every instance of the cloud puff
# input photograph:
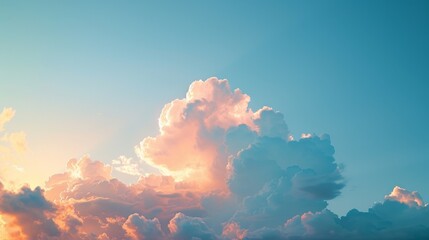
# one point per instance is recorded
(138, 227)
(227, 172)
(271, 123)
(86, 169)
(183, 227)
(405, 196)
(279, 179)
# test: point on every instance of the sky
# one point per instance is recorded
(93, 81)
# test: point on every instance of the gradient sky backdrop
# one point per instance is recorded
(92, 77)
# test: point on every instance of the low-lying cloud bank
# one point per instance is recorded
(227, 173)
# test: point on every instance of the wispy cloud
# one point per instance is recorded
(126, 165)
(12, 146)
(5, 116)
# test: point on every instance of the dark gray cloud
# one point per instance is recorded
(31, 211)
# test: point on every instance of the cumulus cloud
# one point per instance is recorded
(107, 207)
(194, 129)
(138, 227)
(278, 179)
(227, 172)
(391, 219)
(271, 123)
(404, 196)
(184, 227)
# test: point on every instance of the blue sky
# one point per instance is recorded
(100, 72)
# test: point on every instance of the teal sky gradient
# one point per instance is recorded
(93, 76)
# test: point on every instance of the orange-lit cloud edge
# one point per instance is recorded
(227, 172)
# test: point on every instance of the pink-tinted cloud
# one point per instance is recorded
(193, 130)
(405, 196)
(233, 231)
(106, 205)
(228, 172)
